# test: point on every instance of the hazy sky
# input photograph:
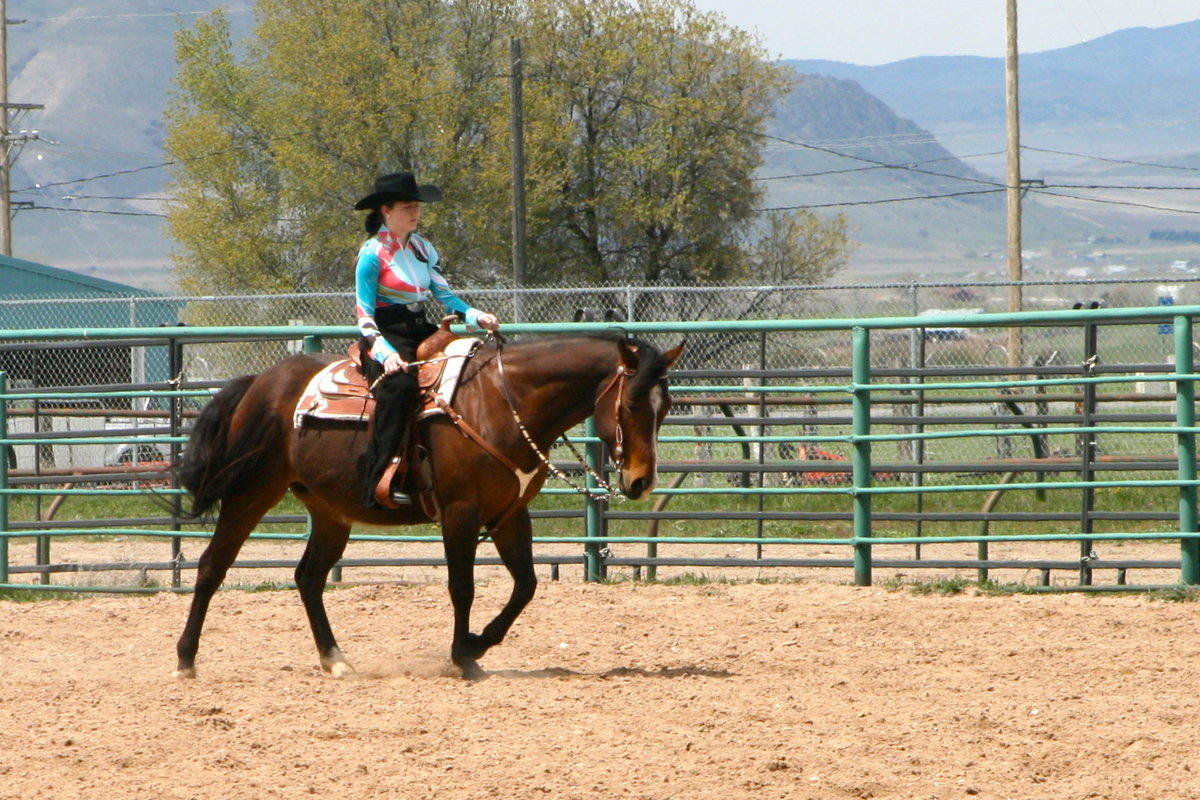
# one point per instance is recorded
(881, 31)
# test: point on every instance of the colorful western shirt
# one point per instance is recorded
(393, 272)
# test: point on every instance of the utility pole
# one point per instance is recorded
(8, 141)
(5, 199)
(1016, 355)
(519, 255)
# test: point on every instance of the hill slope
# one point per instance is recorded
(913, 205)
(102, 69)
(1129, 94)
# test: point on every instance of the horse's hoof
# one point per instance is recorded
(341, 669)
(336, 664)
(471, 671)
(185, 673)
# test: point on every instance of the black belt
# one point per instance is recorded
(399, 314)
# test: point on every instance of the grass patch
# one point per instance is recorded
(1179, 594)
(264, 586)
(945, 587)
(36, 595)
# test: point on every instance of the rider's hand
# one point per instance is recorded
(393, 364)
(488, 321)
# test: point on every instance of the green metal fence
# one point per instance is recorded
(865, 406)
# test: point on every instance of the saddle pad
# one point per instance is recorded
(327, 398)
(457, 354)
(332, 393)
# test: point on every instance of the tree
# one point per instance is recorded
(643, 129)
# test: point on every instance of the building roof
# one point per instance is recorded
(21, 278)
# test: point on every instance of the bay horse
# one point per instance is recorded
(245, 454)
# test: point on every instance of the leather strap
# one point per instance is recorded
(468, 432)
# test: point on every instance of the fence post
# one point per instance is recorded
(916, 361)
(860, 405)
(593, 511)
(1089, 453)
(1185, 415)
(4, 451)
(175, 415)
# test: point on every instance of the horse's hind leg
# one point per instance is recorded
(326, 544)
(239, 515)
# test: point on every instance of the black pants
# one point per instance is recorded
(395, 395)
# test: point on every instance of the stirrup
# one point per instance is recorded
(384, 495)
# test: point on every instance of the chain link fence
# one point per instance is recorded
(748, 357)
(950, 347)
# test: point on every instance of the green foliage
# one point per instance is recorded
(643, 128)
(1179, 594)
(36, 595)
(945, 587)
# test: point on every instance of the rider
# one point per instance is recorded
(397, 271)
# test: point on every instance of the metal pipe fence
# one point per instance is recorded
(764, 455)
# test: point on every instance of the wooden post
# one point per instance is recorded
(519, 255)
(1015, 272)
(5, 199)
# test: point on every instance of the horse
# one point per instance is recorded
(245, 453)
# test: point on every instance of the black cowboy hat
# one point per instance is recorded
(398, 186)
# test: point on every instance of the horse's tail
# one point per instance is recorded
(216, 465)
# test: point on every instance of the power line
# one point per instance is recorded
(885, 200)
(98, 211)
(1112, 160)
(871, 168)
(72, 18)
(132, 170)
(1111, 202)
(1122, 186)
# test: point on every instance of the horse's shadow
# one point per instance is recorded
(432, 666)
(689, 671)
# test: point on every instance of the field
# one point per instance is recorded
(692, 690)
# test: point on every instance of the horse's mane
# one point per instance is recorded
(652, 364)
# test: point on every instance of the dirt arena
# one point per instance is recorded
(788, 690)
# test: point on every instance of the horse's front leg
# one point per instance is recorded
(514, 543)
(460, 538)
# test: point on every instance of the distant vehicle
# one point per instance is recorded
(945, 334)
(135, 452)
(831, 477)
(129, 453)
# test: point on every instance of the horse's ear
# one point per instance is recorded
(674, 353)
(629, 356)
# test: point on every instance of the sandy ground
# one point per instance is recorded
(86, 553)
(783, 690)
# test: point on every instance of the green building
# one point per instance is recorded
(37, 296)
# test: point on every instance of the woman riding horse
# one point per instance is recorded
(397, 271)
(246, 453)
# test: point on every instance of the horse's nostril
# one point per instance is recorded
(638, 488)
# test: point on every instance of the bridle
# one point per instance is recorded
(618, 454)
(618, 378)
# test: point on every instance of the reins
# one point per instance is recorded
(410, 365)
(618, 450)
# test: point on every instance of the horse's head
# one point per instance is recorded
(630, 408)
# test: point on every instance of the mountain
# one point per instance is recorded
(913, 206)
(102, 70)
(1116, 114)
(1130, 94)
